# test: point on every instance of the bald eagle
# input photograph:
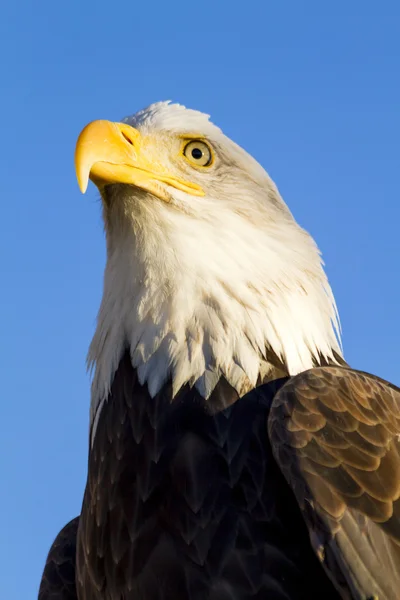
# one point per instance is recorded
(234, 455)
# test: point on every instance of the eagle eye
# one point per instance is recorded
(198, 153)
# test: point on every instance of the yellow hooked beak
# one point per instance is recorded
(109, 153)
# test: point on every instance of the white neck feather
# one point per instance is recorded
(198, 297)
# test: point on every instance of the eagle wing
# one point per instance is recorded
(58, 579)
(335, 434)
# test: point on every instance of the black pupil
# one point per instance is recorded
(197, 153)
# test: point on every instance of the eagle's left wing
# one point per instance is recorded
(58, 579)
(335, 433)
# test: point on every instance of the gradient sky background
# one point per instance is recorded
(310, 88)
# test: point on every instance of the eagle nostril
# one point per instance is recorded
(127, 138)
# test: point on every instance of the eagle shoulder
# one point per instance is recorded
(58, 579)
(335, 432)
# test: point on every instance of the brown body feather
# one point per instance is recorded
(185, 500)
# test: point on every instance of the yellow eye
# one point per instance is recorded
(198, 153)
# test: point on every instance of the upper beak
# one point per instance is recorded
(109, 152)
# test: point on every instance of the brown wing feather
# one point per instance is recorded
(58, 579)
(335, 434)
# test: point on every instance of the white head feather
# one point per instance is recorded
(204, 287)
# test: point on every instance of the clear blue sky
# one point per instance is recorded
(310, 88)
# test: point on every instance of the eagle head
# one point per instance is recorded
(208, 275)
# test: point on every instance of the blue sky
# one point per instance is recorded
(310, 88)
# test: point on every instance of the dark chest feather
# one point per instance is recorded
(185, 502)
